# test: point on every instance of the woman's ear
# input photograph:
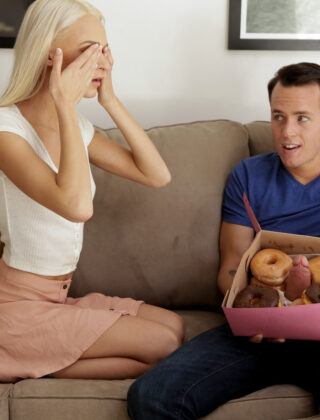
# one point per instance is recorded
(50, 57)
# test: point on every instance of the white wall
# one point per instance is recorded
(172, 63)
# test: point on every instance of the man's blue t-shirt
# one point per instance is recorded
(280, 202)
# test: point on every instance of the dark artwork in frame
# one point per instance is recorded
(274, 25)
(11, 15)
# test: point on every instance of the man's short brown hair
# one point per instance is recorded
(295, 75)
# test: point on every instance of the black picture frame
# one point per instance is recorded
(235, 42)
(11, 15)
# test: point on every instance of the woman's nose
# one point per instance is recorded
(101, 62)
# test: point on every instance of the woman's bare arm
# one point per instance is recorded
(143, 162)
(67, 193)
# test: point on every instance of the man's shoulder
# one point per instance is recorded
(258, 163)
(265, 159)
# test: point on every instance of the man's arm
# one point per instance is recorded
(234, 241)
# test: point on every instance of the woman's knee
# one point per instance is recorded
(166, 343)
(171, 342)
(164, 317)
(176, 323)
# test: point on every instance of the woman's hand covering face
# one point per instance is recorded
(69, 85)
(105, 90)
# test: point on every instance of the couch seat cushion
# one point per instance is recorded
(5, 390)
(69, 399)
(278, 402)
(198, 321)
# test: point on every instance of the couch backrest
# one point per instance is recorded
(161, 245)
(260, 137)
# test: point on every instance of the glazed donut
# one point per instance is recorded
(314, 265)
(257, 297)
(260, 283)
(297, 302)
(311, 295)
(271, 266)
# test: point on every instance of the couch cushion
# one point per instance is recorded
(162, 245)
(5, 390)
(260, 137)
(69, 399)
(198, 321)
(279, 402)
(317, 416)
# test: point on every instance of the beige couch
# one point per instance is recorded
(160, 246)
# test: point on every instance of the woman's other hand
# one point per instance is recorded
(105, 90)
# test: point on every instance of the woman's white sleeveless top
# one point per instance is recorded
(37, 239)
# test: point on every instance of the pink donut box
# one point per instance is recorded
(298, 321)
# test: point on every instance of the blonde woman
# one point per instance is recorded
(46, 193)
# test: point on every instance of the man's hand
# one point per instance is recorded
(259, 337)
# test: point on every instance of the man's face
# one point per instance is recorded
(295, 123)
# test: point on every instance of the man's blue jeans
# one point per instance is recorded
(215, 367)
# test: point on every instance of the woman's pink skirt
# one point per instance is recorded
(42, 330)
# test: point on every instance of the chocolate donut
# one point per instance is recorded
(312, 294)
(254, 296)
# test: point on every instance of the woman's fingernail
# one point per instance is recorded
(58, 51)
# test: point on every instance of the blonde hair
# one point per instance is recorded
(43, 22)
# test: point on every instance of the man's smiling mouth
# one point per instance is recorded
(291, 146)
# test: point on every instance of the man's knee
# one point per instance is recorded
(153, 395)
(137, 395)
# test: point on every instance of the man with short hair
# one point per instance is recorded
(283, 189)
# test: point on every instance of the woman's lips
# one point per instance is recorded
(96, 82)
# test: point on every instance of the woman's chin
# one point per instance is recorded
(90, 93)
